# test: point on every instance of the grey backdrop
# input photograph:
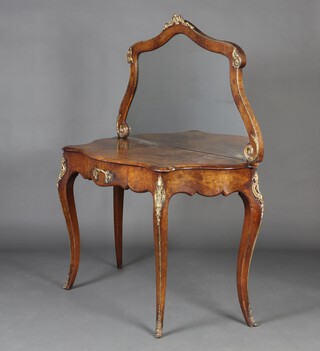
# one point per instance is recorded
(63, 74)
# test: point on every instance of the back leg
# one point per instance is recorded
(118, 219)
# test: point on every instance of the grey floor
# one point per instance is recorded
(114, 310)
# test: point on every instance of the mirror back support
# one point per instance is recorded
(253, 151)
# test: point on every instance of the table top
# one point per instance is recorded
(170, 151)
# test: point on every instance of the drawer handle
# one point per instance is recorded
(108, 176)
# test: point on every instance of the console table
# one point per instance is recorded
(165, 164)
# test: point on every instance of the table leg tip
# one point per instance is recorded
(158, 333)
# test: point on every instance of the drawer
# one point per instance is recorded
(109, 174)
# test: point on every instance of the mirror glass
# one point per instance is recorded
(183, 87)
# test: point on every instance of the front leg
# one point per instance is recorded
(160, 225)
(65, 189)
(254, 205)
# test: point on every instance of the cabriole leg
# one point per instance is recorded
(253, 203)
(65, 189)
(160, 224)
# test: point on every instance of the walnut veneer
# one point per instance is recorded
(166, 164)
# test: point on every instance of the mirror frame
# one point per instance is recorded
(254, 150)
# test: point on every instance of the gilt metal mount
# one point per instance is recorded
(108, 176)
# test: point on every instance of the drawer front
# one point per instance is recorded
(109, 174)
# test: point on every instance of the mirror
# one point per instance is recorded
(183, 87)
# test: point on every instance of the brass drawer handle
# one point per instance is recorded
(108, 176)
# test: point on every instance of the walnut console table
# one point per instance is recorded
(166, 164)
